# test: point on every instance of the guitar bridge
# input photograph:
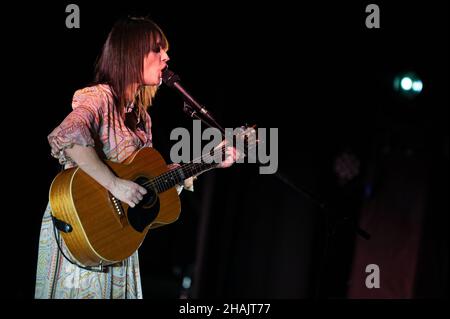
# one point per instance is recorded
(117, 206)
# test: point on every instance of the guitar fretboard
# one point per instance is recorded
(178, 175)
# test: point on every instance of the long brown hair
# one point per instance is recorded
(120, 64)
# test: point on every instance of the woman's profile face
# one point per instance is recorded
(154, 63)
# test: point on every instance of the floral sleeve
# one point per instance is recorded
(79, 126)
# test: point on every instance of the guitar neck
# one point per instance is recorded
(176, 176)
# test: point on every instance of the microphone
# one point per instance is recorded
(172, 80)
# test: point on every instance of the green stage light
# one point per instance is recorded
(408, 84)
(417, 86)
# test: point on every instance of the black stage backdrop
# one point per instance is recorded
(312, 70)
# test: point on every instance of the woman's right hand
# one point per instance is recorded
(127, 191)
(124, 190)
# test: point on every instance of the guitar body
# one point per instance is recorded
(103, 229)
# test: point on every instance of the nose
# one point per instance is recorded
(164, 56)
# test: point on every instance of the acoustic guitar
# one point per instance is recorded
(100, 230)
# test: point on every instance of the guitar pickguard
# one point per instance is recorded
(146, 211)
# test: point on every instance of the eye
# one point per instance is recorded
(157, 48)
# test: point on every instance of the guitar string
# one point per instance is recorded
(188, 167)
(191, 168)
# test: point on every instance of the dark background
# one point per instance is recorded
(315, 72)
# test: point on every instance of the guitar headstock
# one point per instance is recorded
(245, 140)
(248, 133)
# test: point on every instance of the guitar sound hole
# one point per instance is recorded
(147, 210)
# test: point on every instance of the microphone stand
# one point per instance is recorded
(191, 112)
(195, 110)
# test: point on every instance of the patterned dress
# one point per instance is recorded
(94, 122)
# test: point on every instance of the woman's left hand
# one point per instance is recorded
(231, 156)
